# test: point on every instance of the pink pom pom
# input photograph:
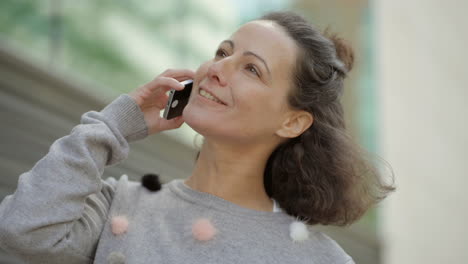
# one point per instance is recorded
(119, 225)
(203, 230)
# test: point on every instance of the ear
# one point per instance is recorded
(296, 123)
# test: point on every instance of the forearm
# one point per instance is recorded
(50, 198)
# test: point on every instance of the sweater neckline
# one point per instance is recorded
(182, 190)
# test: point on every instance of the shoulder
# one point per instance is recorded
(308, 242)
(122, 184)
(131, 191)
(328, 247)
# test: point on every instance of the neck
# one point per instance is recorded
(234, 173)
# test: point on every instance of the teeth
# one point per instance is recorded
(208, 96)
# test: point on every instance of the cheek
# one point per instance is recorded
(201, 71)
(259, 109)
(252, 98)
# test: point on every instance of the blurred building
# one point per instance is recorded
(423, 79)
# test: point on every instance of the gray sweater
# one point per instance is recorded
(63, 212)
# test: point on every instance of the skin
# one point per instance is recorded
(251, 75)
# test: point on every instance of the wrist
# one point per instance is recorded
(125, 113)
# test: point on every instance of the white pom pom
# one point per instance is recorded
(116, 258)
(298, 231)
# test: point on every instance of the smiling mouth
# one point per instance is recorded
(209, 96)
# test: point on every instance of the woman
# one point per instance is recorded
(275, 158)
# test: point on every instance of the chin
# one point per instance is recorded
(209, 126)
(196, 120)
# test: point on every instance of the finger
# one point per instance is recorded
(179, 74)
(177, 122)
(173, 123)
(164, 84)
(161, 101)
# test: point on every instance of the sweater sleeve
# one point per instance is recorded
(59, 208)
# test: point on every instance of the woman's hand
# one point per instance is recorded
(152, 98)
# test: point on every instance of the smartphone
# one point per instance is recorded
(178, 100)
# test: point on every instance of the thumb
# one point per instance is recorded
(172, 124)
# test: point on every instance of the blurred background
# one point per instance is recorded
(404, 100)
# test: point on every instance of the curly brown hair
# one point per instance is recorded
(322, 176)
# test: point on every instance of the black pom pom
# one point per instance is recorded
(151, 182)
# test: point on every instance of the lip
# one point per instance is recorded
(213, 94)
(206, 101)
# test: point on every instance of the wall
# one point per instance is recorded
(422, 96)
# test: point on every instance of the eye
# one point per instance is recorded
(251, 68)
(221, 53)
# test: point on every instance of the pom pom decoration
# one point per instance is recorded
(151, 182)
(298, 231)
(203, 230)
(119, 225)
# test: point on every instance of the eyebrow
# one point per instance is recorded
(248, 53)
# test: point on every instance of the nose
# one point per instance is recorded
(218, 71)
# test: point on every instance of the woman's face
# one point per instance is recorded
(240, 95)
